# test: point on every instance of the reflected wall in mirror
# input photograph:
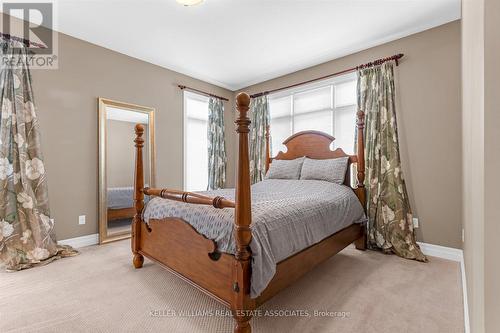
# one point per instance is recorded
(116, 165)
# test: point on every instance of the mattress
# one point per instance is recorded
(121, 197)
(287, 217)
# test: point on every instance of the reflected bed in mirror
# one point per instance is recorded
(116, 155)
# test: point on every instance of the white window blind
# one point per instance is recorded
(328, 106)
(195, 142)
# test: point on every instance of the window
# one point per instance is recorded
(195, 142)
(328, 106)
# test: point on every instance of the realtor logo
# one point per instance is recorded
(33, 24)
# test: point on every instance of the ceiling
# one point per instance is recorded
(236, 43)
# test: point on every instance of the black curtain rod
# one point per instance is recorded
(395, 57)
(202, 92)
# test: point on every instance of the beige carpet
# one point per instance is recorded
(99, 291)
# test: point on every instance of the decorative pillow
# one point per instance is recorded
(332, 170)
(285, 169)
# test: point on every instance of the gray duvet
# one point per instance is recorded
(287, 217)
(121, 197)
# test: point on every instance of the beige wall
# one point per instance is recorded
(481, 123)
(429, 120)
(67, 107)
(119, 153)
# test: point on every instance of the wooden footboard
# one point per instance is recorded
(177, 246)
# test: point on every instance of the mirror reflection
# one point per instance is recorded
(117, 206)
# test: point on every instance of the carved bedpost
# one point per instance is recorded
(242, 303)
(268, 148)
(360, 125)
(360, 176)
(138, 196)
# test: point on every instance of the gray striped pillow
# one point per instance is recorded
(285, 169)
(332, 170)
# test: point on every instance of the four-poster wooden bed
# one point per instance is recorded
(176, 245)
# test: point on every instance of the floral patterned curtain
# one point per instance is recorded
(390, 222)
(260, 119)
(216, 144)
(27, 235)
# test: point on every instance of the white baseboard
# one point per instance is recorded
(455, 255)
(81, 241)
(466, 302)
(444, 252)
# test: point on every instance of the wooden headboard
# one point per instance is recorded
(316, 145)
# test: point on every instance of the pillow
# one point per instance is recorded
(285, 169)
(332, 170)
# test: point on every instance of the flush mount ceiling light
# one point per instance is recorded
(189, 2)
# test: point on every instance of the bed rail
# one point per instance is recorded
(190, 197)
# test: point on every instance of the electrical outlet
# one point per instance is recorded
(81, 219)
(415, 222)
(463, 235)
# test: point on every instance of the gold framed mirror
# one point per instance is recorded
(116, 164)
